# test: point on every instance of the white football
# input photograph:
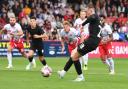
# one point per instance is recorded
(46, 71)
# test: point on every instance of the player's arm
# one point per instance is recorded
(82, 38)
(75, 24)
(19, 33)
(27, 37)
(62, 45)
(89, 19)
(1, 31)
(110, 38)
(42, 35)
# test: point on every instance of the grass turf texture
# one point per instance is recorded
(96, 77)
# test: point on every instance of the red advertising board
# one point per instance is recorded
(119, 50)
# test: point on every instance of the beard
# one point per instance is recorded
(12, 24)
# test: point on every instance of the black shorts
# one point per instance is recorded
(37, 47)
(88, 45)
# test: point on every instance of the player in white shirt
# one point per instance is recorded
(15, 34)
(84, 35)
(105, 45)
(69, 36)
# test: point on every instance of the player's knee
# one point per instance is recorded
(74, 56)
(103, 59)
(40, 53)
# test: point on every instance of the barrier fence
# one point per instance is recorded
(53, 49)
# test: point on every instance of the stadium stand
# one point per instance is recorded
(51, 13)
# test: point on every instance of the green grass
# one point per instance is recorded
(96, 77)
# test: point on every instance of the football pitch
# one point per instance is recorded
(96, 77)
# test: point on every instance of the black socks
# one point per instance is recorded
(68, 64)
(78, 67)
(43, 62)
(30, 59)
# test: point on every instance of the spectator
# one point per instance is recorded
(56, 11)
(122, 19)
(2, 22)
(59, 24)
(5, 36)
(27, 10)
(54, 35)
(21, 15)
(16, 8)
(10, 13)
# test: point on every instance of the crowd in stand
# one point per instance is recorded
(51, 13)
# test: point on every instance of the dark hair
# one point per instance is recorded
(33, 17)
(103, 16)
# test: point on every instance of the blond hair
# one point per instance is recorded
(66, 23)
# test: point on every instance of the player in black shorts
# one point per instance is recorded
(88, 45)
(35, 33)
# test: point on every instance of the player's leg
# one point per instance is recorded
(30, 55)
(85, 61)
(34, 62)
(112, 71)
(66, 68)
(103, 55)
(41, 58)
(9, 55)
(109, 58)
(75, 57)
(30, 58)
(68, 63)
(82, 49)
(81, 61)
(27, 56)
(20, 47)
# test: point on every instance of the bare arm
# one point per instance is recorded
(62, 44)
(20, 33)
(82, 38)
(43, 36)
(1, 31)
(27, 37)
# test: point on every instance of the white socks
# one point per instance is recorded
(111, 62)
(9, 57)
(84, 59)
(107, 63)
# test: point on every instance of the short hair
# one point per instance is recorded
(66, 23)
(33, 17)
(103, 16)
(83, 11)
(90, 6)
(12, 17)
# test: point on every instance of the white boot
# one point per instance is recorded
(79, 78)
(61, 73)
(9, 67)
(29, 66)
(112, 72)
